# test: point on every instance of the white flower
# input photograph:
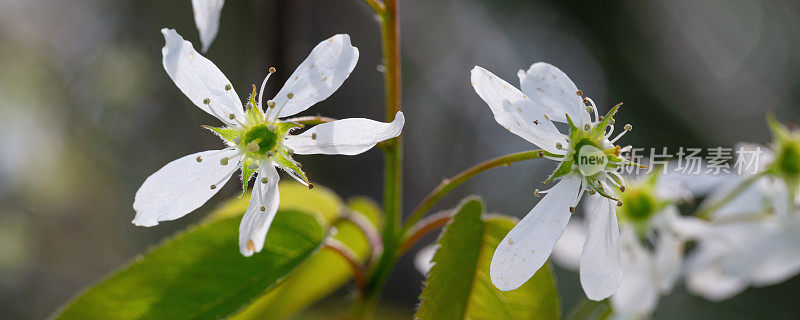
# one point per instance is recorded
(257, 140)
(588, 160)
(206, 17)
(652, 238)
(754, 240)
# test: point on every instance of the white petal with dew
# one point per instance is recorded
(528, 245)
(346, 136)
(554, 93)
(255, 222)
(324, 71)
(206, 17)
(182, 186)
(515, 111)
(601, 270)
(199, 79)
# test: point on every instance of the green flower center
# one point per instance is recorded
(789, 159)
(259, 139)
(640, 204)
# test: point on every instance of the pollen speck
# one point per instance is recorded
(206, 101)
(571, 209)
(264, 180)
(580, 93)
(263, 208)
(290, 95)
(313, 136)
(510, 241)
(213, 186)
(325, 79)
(251, 246)
(223, 161)
(199, 159)
(228, 87)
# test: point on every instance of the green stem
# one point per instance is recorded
(393, 160)
(706, 211)
(449, 184)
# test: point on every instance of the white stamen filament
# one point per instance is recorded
(610, 131)
(594, 109)
(619, 136)
(264, 84)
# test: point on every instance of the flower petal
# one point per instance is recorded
(601, 269)
(515, 112)
(638, 292)
(348, 136)
(423, 261)
(255, 222)
(324, 71)
(182, 186)
(567, 252)
(528, 245)
(199, 79)
(554, 93)
(206, 17)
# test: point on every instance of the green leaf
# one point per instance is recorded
(200, 274)
(319, 276)
(458, 285)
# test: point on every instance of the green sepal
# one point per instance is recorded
(226, 134)
(563, 169)
(285, 127)
(573, 130)
(247, 173)
(600, 129)
(779, 132)
(291, 167)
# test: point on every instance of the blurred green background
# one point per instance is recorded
(87, 112)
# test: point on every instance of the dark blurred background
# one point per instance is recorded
(87, 112)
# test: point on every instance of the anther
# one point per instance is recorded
(313, 136)
(228, 87)
(290, 95)
(272, 70)
(619, 203)
(213, 186)
(589, 109)
(536, 122)
(263, 208)
(622, 189)
(586, 127)
(199, 159)
(540, 154)
(253, 146)
(536, 193)
(612, 121)
(231, 116)
(601, 118)
(559, 146)
(206, 101)
(271, 104)
(592, 192)
(571, 209)
(580, 93)
(264, 180)
(628, 127)
(223, 161)
(310, 186)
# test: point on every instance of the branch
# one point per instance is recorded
(449, 184)
(349, 256)
(425, 226)
(376, 5)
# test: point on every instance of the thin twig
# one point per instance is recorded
(706, 211)
(348, 255)
(376, 5)
(366, 226)
(425, 226)
(449, 184)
